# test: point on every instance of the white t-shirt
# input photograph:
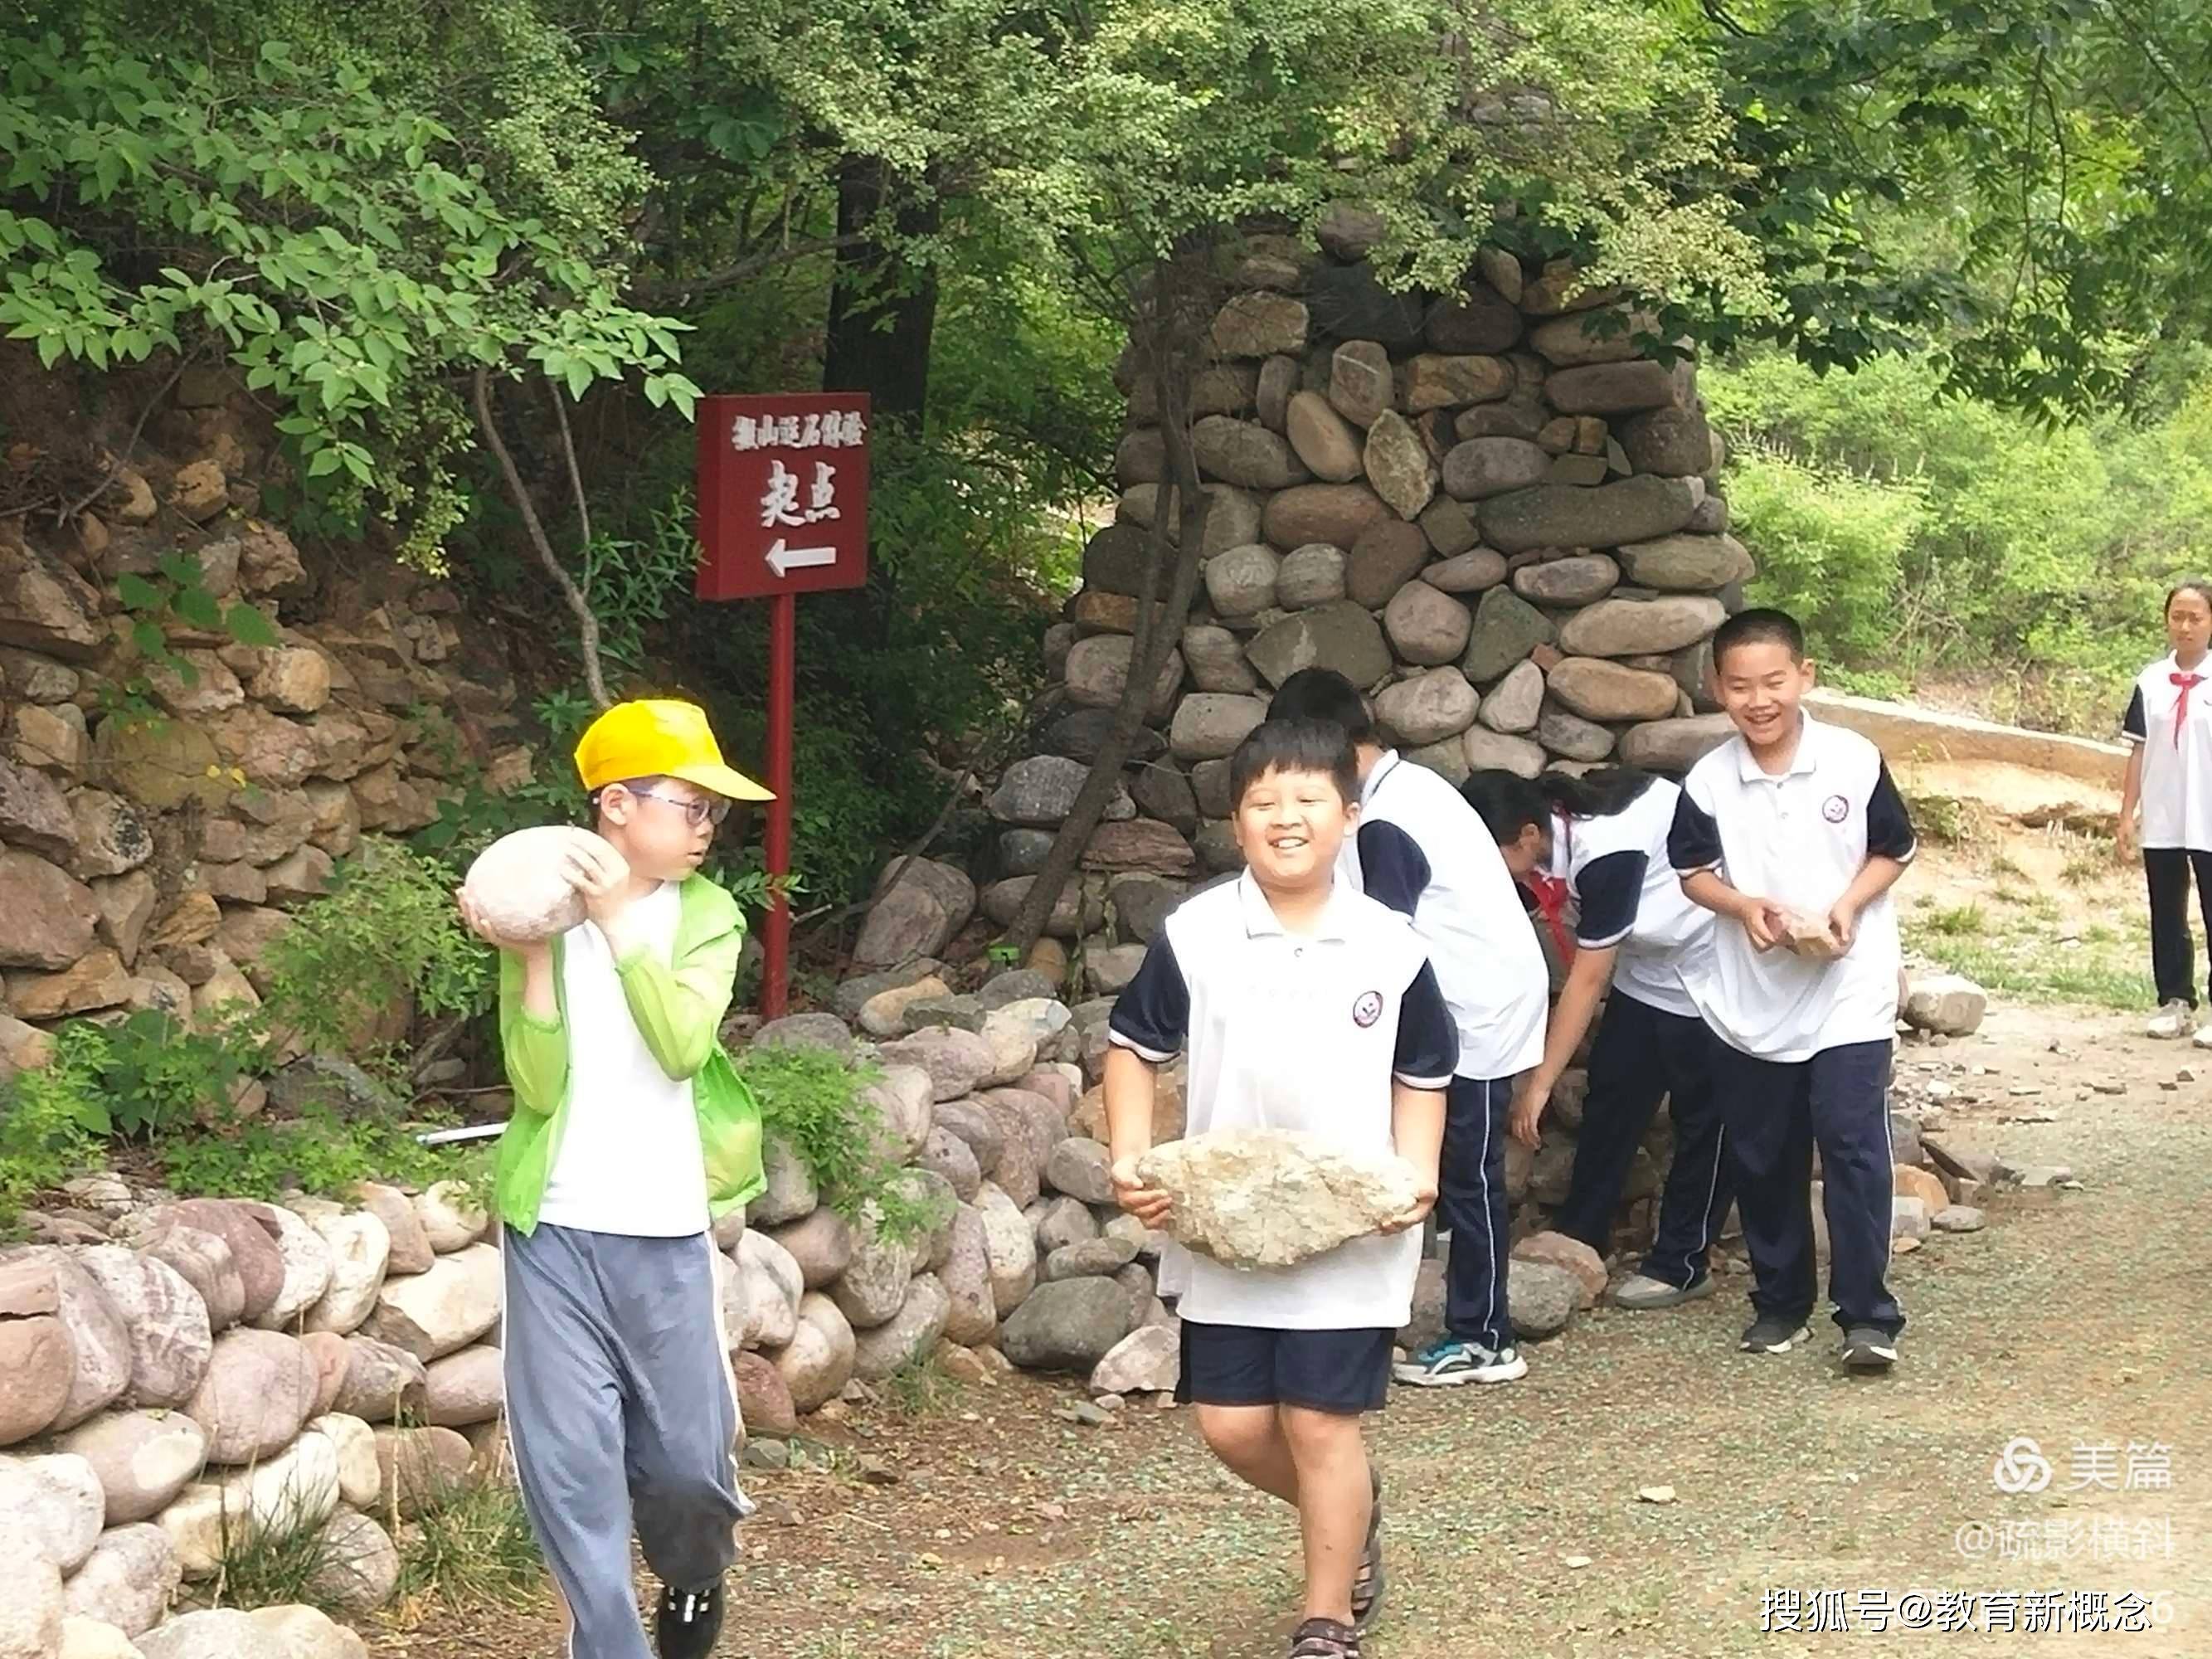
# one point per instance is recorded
(1302, 1031)
(2177, 755)
(1798, 839)
(629, 1160)
(1628, 896)
(1423, 851)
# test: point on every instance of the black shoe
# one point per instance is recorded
(690, 1622)
(1768, 1335)
(1868, 1348)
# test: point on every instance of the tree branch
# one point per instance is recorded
(587, 624)
(744, 270)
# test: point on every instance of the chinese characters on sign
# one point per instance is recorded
(783, 493)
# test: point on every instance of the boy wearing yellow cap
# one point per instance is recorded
(630, 1134)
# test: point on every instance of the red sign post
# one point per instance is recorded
(783, 510)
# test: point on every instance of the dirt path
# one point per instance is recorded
(1517, 1526)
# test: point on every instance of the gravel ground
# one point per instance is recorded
(1516, 1527)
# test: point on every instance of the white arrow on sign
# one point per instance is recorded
(784, 560)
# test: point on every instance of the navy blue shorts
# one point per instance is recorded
(1347, 1373)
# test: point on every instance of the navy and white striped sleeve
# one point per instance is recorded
(1152, 1016)
(2135, 726)
(1428, 1041)
(1610, 890)
(1693, 843)
(1392, 869)
(1889, 827)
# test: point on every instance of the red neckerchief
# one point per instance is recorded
(2187, 682)
(1552, 895)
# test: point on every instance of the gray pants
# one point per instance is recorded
(620, 1413)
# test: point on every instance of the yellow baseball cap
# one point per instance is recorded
(659, 738)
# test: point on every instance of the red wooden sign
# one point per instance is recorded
(783, 493)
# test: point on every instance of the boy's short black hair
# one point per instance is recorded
(1322, 694)
(635, 786)
(1759, 627)
(1284, 745)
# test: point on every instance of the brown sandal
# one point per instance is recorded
(1372, 1583)
(1324, 1639)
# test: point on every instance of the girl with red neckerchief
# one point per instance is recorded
(2168, 726)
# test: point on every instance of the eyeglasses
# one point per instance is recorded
(697, 811)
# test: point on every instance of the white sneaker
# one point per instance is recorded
(2176, 1020)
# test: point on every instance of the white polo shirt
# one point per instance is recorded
(1798, 839)
(2176, 742)
(1423, 851)
(1627, 895)
(1303, 1031)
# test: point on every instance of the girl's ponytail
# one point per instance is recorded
(1599, 795)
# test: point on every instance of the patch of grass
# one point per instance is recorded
(919, 1388)
(271, 1567)
(470, 1547)
(1946, 820)
(2004, 866)
(2087, 869)
(2097, 933)
(1960, 920)
(2033, 970)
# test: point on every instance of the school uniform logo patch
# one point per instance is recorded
(1367, 1010)
(1835, 808)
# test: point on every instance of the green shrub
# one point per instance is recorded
(812, 1100)
(49, 1121)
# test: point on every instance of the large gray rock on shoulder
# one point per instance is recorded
(1069, 1326)
(166, 1321)
(1507, 628)
(443, 1310)
(1638, 509)
(971, 1311)
(1427, 708)
(1272, 1198)
(1688, 564)
(1949, 1005)
(1341, 636)
(957, 1061)
(98, 1335)
(143, 1459)
(1541, 1296)
(1209, 724)
(57, 1498)
(1640, 628)
(1675, 746)
(911, 1335)
(260, 1388)
(223, 1633)
(129, 1580)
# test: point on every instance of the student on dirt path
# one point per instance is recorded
(1420, 850)
(1599, 843)
(1306, 1006)
(630, 1134)
(1792, 834)
(2168, 726)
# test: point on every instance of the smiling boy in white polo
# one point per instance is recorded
(1303, 1005)
(1790, 825)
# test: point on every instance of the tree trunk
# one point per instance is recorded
(1172, 343)
(891, 365)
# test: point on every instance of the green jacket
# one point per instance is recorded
(679, 1006)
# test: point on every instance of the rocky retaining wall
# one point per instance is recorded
(156, 818)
